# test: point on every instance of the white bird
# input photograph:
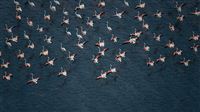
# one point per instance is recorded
(122, 53)
(40, 29)
(102, 52)
(140, 16)
(145, 25)
(18, 16)
(50, 61)
(16, 2)
(112, 70)
(140, 5)
(119, 56)
(171, 27)
(8, 43)
(114, 38)
(7, 76)
(102, 76)
(9, 29)
(4, 65)
(146, 47)
(95, 59)
(78, 35)
(150, 62)
(28, 65)
(126, 3)
(90, 22)
(44, 52)
(196, 12)
(78, 15)
(136, 33)
(47, 17)
(20, 54)
(68, 32)
(161, 59)
(185, 62)
(195, 47)
(180, 18)
(98, 16)
(170, 44)
(158, 14)
(29, 22)
(81, 44)
(194, 37)
(100, 43)
(80, 6)
(62, 48)
(14, 38)
(33, 80)
(177, 52)
(32, 4)
(119, 14)
(65, 12)
(56, 2)
(179, 6)
(65, 21)
(26, 36)
(63, 72)
(18, 8)
(157, 38)
(52, 7)
(83, 32)
(101, 4)
(31, 45)
(108, 27)
(71, 57)
(48, 39)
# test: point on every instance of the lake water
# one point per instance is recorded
(166, 87)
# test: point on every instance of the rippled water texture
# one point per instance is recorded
(166, 87)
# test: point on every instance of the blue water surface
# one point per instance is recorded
(166, 87)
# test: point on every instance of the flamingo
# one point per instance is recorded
(185, 62)
(98, 16)
(28, 65)
(7, 76)
(158, 14)
(68, 32)
(31, 45)
(90, 22)
(63, 72)
(65, 12)
(47, 17)
(126, 3)
(150, 62)
(50, 61)
(62, 48)
(33, 80)
(119, 14)
(32, 4)
(140, 5)
(52, 7)
(9, 29)
(71, 57)
(56, 2)
(108, 27)
(80, 6)
(44, 52)
(101, 4)
(4, 65)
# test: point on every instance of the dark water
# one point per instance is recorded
(167, 87)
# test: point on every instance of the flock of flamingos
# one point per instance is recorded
(81, 33)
